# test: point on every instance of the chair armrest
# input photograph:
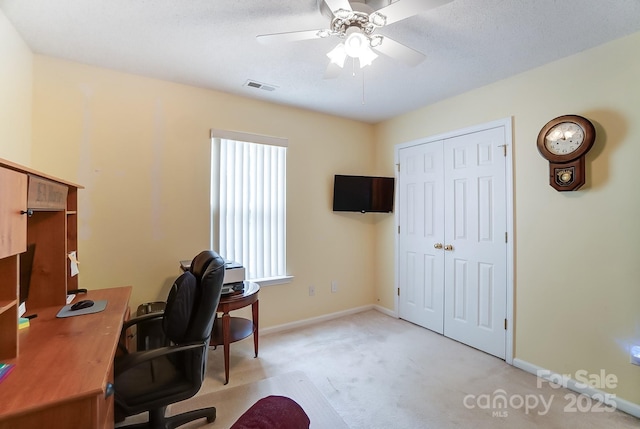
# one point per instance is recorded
(126, 362)
(141, 319)
(138, 320)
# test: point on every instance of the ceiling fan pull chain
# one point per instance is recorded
(363, 87)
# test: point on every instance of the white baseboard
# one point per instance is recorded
(386, 311)
(314, 320)
(571, 384)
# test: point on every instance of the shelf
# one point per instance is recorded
(51, 226)
(240, 329)
(7, 305)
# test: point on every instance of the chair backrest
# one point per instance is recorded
(206, 274)
(208, 269)
(193, 300)
(180, 307)
(201, 261)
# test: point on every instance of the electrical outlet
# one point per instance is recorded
(334, 286)
(312, 290)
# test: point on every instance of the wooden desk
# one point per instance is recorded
(234, 329)
(64, 366)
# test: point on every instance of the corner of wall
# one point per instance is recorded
(16, 85)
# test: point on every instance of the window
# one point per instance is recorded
(250, 202)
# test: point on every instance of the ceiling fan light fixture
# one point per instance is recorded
(366, 57)
(354, 45)
(375, 41)
(342, 13)
(338, 55)
(378, 19)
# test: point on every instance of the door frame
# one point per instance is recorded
(508, 139)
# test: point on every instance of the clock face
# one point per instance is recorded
(564, 138)
(564, 141)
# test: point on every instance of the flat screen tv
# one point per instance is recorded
(363, 194)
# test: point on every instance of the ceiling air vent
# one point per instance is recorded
(255, 84)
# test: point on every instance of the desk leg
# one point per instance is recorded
(226, 341)
(254, 310)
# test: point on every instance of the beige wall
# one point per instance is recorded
(141, 148)
(577, 271)
(15, 100)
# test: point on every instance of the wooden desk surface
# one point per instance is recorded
(62, 359)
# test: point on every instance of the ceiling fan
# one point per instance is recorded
(355, 22)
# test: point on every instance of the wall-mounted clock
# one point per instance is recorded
(564, 142)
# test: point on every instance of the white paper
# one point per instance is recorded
(73, 264)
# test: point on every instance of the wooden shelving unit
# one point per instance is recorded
(41, 209)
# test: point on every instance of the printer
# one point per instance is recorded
(233, 272)
(233, 278)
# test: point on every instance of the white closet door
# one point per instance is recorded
(452, 193)
(421, 264)
(475, 227)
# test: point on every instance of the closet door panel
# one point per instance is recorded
(420, 263)
(475, 227)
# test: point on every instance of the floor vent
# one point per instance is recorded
(258, 85)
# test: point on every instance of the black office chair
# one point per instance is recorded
(150, 380)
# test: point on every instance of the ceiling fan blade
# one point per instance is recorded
(333, 71)
(405, 8)
(334, 5)
(398, 51)
(292, 36)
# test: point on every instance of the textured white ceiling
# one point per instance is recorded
(212, 44)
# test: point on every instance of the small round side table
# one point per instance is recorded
(234, 329)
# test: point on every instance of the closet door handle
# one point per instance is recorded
(448, 247)
(438, 245)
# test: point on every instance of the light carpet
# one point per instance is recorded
(233, 402)
(378, 372)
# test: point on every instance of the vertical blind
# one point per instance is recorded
(252, 216)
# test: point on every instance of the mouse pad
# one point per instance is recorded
(97, 307)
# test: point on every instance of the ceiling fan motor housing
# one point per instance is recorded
(362, 16)
(359, 20)
(365, 6)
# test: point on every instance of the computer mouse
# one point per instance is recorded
(85, 303)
